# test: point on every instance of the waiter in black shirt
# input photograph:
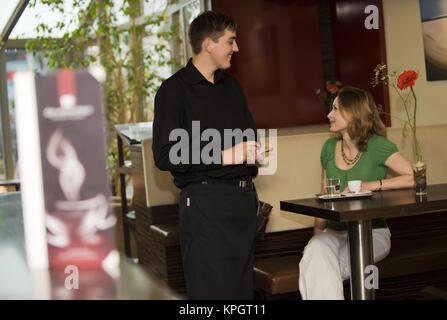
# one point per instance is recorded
(217, 202)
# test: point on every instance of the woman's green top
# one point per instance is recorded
(369, 167)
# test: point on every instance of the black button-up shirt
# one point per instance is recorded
(186, 97)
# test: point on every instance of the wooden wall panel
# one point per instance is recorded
(279, 63)
(358, 49)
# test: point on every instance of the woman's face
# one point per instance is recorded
(338, 121)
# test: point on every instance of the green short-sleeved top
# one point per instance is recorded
(369, 167)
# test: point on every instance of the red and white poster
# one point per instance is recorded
(62, 162)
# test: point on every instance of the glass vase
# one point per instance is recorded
(420, 177)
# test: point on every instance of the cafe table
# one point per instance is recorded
(18, 281)
(358, 212)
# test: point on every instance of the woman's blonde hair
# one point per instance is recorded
(365, 119)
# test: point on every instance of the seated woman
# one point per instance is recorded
(360, 151)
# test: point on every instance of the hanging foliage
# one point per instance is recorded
(131, 46)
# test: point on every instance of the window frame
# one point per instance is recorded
(4, 108)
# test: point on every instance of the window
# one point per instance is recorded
(17, 59)
(182, 15)
(13, 58)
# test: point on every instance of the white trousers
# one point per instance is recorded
(325, 263)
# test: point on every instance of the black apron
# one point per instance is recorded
(217, 232)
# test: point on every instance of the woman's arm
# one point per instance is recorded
(319, 225)
(399, 164)
(323, 180)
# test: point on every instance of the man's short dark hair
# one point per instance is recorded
(210, 24)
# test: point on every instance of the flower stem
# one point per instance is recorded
(415, 139)
(380, 111)
(405, 106)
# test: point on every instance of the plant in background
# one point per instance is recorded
(132, 54)
(329, 93)
(401, 83)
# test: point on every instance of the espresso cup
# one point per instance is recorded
(355, 185)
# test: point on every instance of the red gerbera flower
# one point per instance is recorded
(332, 88)
(407, 79)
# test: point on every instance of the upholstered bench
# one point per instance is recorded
(411, 256)
(277, 275)
(418, 258)
(419, 248)
(162, 254)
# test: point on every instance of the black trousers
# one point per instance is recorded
(217, 232)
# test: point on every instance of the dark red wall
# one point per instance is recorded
(358, 50)
(279, 63)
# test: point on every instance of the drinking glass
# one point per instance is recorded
(332, 186)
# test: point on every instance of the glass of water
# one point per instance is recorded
(332, 186)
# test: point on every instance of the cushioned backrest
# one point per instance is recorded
(298, 172)
(160, 189)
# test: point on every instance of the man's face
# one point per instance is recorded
(222, 50)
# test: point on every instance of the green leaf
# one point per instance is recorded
(405, 130)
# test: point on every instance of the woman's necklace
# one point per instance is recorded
(348, 161)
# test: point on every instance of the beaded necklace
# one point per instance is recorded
(346, 159)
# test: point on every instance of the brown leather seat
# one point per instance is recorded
(277, 275)
(409, 256)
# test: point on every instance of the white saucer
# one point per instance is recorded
(356, 194)
(345, 195)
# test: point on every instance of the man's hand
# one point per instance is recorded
(244, 152)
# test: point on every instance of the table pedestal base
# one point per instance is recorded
(361, 255)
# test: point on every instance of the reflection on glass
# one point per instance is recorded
(178, 40)
(133, 133)
(181, 20)
(355, 204)
(190, 11)
(421, 198)
(154, 6)
(16, 60)
(329, 205)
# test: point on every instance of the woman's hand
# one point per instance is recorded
(319, 225)
(370, 185)
(367, 185)
(317, 231)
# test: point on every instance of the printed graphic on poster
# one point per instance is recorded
(71, 137)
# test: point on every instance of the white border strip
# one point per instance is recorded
(30, 166)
